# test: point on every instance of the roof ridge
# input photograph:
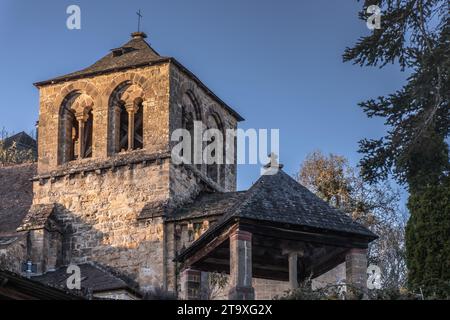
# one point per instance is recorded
(143, 54)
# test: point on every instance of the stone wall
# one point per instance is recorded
(154, 80)
(205, 105)
(184, 185)
(99, 213)
(14, 254)
(334, 276)
(100, 201)
(264, 289)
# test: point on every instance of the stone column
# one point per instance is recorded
(81, 118)
(241, 266)
(131, 109)
(191, 284)
(356, 270)
(293, 272)
(38, 249)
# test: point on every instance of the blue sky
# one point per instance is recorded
(278, 63)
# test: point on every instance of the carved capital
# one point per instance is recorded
(82, 116)
(131, 108)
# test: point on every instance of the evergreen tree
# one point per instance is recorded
(427, 236)
(414, 34)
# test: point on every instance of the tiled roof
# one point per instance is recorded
(93, 278)
(133, 53)
(277, 198)
(22, 140)
(207, 204)
(37, 217)
(16, 196)
(17, 287)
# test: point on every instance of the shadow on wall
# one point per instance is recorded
(133, 251)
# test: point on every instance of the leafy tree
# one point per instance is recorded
(376, 206)
(415, 35)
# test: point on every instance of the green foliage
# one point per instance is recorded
(414, 34)
(428, 240)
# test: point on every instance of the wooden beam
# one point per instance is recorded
(203, 252)
(295, 234)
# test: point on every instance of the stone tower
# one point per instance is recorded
(106, 181)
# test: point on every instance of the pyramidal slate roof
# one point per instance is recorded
(277, 198)
(136, 52)
(23, 141)
(207, 205)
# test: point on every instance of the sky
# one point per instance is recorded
(278, 63)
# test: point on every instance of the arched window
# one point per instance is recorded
(76, 128)
(126, 124)
(70, 136)
(123, 129)
(188, 124)
(138, 134)
(190, 114)
(87, 135)
(215, 171)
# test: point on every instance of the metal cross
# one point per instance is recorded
(139, 19)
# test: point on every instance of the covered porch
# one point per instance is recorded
(278, 230)
(247, 249)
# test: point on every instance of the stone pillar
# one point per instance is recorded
(38, 249)
(356, 270)
(131, 109)
(241, 266)
(191, 284)
(293, 272)
(81, 118)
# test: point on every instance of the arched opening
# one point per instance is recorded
(87, 136)
(75, 128)
(215, 171)
(188, 124)
(71, 137)
(138, 134)
(126, 119)
(123, 129)
(190, 114)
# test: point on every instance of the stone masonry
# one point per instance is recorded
(111, 206)
(99, 199)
